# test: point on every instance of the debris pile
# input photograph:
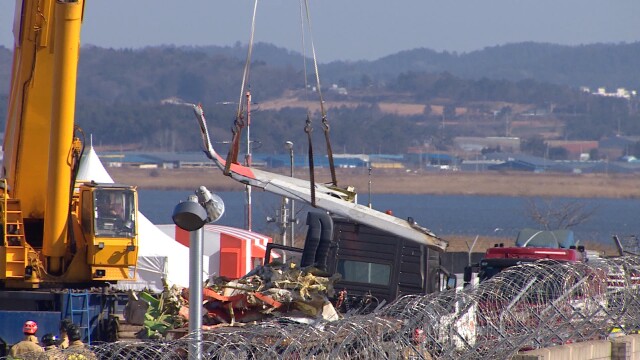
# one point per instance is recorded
(275, 290)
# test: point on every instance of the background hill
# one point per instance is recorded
(607, 65)
(412, 98)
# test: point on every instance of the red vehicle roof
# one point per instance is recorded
(534, 253)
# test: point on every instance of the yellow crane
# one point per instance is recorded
(56, 229)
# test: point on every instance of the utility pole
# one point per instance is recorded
(247, 161)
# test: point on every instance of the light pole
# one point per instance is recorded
(247, 157)
(191, 216)
(292, 213)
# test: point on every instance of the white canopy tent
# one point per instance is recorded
(159, 255)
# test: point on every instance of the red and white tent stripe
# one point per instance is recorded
(257, 243)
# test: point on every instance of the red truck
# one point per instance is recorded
(531, 245)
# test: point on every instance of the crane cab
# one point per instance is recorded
(108, 218)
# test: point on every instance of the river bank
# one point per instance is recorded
(400, 182)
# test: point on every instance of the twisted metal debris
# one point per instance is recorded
(529, 306)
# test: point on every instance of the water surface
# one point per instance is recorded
(468, 215)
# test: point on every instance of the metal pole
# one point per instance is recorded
(195, 293)
(191, 216)
(248, 161)
(292, 213)
(369, 186)
(473, 244)
(284, 220)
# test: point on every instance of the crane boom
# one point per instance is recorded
(29, 125)
(336, 201)
(51, 229)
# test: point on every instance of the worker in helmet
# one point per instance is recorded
(64, 338)
(51, 350)
(29, 345)
(77, 349)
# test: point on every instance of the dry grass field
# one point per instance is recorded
(405, 107)
(402, 182)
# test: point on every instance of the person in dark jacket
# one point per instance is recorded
(64, 338)
(77, 349)
(51, 350)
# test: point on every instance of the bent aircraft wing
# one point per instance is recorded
(331, 200)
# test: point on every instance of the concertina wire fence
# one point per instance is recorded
(529, 306)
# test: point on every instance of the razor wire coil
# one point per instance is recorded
(529, 306)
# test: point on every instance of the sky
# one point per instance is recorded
(352, 29)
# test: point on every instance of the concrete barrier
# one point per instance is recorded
(625, 347)
(621, 348)
(550, 353)
(599, 349)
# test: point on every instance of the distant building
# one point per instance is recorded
(477, 144)
(616, 146)
(302, 161)
(522, 162)
(575, 148)
(338, 90)
(148, 160)
(517, 162)
(431, 159)
(619, 93)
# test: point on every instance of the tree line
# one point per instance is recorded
(120, 94)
